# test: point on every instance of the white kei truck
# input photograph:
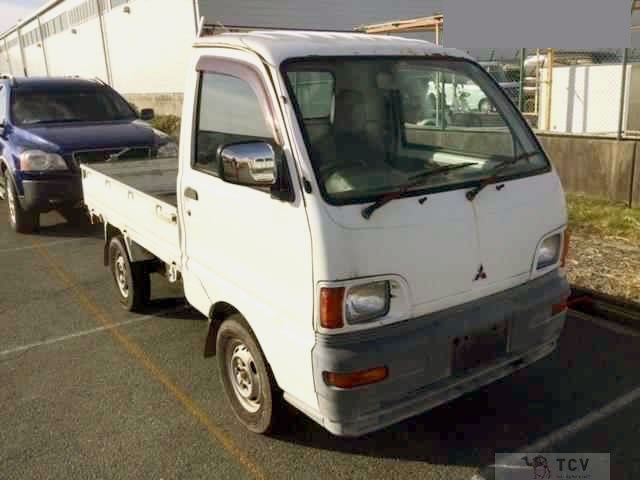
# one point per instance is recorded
(364, 249)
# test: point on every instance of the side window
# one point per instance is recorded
(228, 112)
(314, 93)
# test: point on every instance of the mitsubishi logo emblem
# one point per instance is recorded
(480, 275)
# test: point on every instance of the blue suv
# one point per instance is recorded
(49, 126)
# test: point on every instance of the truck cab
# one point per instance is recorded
(408, 252)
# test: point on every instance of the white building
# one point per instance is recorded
(140, 47)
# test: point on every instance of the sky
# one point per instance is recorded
(12, 10)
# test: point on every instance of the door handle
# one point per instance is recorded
(191, 193)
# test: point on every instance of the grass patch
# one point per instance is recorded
(591, 216)
(169, 124)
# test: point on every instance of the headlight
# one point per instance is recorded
(37, 160)
(167, 150)
(549, 251)
(368, 301)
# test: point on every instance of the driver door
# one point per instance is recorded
(240, 245)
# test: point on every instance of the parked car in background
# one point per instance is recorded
(49, 127)
(498, 72)
(464, 95)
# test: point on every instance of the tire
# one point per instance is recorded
(21, 221)
(246, 377)
(131, 280)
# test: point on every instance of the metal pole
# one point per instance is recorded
(551, 61)
(633, 175)
(22, 57)
(537, 91)
(623, 88)
(196, 16)
(521, 86)
(6, 49)
(103, 37)
(44, 50)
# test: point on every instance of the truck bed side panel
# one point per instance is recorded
(137, 197)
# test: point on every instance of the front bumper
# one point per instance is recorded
(418, 353)
(45, 195)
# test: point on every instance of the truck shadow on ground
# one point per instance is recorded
(591, 368)
(51, 227)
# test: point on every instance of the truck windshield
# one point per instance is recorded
(372, 124)
(36, 106)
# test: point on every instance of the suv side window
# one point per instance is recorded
(228, 112)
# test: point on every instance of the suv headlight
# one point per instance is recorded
(169, 149)
(37, 160)
(368, 301)
(549, 251)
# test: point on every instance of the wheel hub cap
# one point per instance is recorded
(243, 374)
(121, 275)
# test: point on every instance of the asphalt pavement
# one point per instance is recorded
(88, 390)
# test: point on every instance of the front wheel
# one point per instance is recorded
(21, 221)
(246, 377)
(132, 279)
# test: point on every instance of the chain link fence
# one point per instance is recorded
(575, 92)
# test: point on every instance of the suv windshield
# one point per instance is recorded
(373, 124)
(34, 106)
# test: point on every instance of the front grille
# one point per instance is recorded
(123, 153)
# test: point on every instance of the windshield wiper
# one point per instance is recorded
(414, 180)
(493, 178)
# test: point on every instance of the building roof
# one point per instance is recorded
(275, 46)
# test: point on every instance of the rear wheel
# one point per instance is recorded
(131, 279)
(246, 377)
(21, 221)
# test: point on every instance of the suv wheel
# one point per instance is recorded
(22, 221)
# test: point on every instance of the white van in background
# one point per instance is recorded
(408, 253)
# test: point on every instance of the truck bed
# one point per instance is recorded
(139, 198)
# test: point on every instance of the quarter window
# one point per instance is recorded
(229, 112)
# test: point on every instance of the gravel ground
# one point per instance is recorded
(607, 264)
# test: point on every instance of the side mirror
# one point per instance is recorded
(147, 114)
(251, 163)
(255, 164)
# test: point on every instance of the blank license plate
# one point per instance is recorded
(479, 348)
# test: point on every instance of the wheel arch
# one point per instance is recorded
(109, 232)
(218, 313)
